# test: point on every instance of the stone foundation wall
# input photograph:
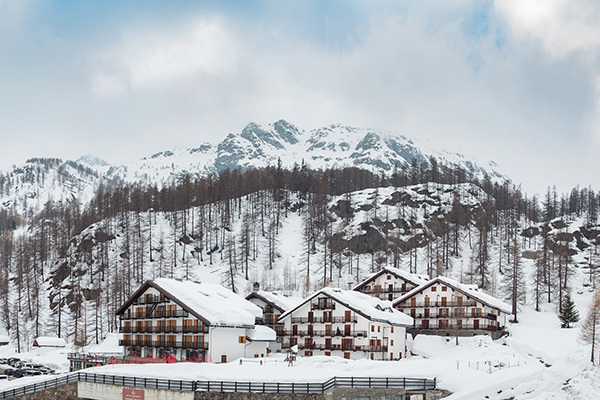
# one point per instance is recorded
(64, 392)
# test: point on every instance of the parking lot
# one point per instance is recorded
(14, 368)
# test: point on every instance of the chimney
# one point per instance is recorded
(255, 287)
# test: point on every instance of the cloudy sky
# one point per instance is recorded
(514, 81)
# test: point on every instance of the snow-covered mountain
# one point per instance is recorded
(328, 147)
(38, 180)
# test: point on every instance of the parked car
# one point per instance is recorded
(46, 370)
(9, 371)
(3, 360)
(13, 359)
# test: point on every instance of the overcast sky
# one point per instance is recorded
(514, 81)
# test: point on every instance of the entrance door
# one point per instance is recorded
(224, 358)
(476, 324)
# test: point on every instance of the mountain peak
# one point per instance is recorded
(91, 161)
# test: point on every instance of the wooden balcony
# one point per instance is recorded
(163, 329)
(338, 347)
(154, 314)
(150, 300)
(332, 333)
(469, 303)
(321, 320)
(164, 344)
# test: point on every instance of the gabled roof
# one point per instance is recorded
(277, 300)
(369, 307)
(469, 290)
(212, 303)
(415, 279)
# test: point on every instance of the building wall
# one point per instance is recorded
(270, 319)
(195, 341)
(387, 286)
(229, 342)
(441, 307)
(363, 339)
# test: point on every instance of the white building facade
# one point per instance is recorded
(273, 305)
(188, 321)
(390, 283)
(447, 307)
(344, 323)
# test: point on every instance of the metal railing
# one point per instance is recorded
(340, 347)
(165, 343)
(150, 300)
(163, 329)
(321, 320)
(155, 314)
(466, 303)
(341, 332)
(225, 386)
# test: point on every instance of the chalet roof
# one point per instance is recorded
(212, 303)
(47, 341)
(415, 279)
(369, 307)
(4, 339)
(261, 333)
(469, 290)
(277, 300)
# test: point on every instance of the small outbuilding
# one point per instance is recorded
(47, 341)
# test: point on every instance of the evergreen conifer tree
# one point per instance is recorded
(568, 313)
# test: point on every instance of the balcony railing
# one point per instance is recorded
(339, 347)
(341, 332)
(385, 290)
(154, 314)
(456, 327)
(150, 300)
(323, 306)
(321, 320)
(163, 329)
(463, 316)
(165, 344)
(469, 303)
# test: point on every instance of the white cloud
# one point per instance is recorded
(562, 26)
(163, 57)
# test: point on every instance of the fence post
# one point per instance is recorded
(435, 382)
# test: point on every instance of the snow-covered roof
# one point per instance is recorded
(282, 302)
(213, 303)
(470, 290)
(47, 341)
(370, 307)
(216, 304)
(415, 279)
(4, 339)
(261, 333)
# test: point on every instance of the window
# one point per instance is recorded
(433, 289)
(372, 328)
(392, 343)
(444, 288)
(242, 339)
(379, 329)
(389, 277)
(392, 329)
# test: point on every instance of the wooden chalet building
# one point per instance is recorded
(447, 307)
(273, 305)
(390, 283)
(348, 324)
(166, 318)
